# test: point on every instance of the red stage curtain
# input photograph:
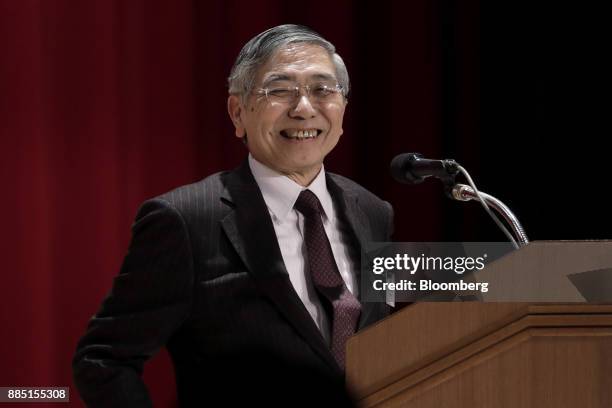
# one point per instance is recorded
(104, 104)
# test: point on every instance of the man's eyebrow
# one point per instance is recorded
(277, 77)
(286, 77)
(324, 77)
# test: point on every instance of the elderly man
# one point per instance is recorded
(248, 277)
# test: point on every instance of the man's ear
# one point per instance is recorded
(234, 108)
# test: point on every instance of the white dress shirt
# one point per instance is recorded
(280, 194)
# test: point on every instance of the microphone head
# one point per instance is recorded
(401, 165)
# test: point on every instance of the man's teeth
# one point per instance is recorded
(303, 134)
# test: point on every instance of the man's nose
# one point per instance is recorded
(303, 108)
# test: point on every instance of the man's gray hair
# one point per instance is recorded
(260, 48)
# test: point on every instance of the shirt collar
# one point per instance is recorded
(280, 192)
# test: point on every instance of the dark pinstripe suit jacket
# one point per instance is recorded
(204, 276)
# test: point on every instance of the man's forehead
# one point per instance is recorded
(298, 61)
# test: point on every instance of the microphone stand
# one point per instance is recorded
(412, 168)
(462, 192)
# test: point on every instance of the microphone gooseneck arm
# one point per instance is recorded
(413, 168)
(462, 192)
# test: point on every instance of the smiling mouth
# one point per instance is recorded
(300, 134)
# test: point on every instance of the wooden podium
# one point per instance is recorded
(511, 354)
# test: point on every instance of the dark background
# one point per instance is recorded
(104, 104)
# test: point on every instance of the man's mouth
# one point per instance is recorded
(300, 134)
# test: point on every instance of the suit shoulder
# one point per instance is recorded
(203, 195)
(378, 211)
(364, 195)
(209, 186)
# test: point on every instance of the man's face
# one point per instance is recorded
(271, 126)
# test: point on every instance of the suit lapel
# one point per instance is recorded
(250, 230)
(356, 219)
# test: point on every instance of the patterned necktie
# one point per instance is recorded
(325, 275)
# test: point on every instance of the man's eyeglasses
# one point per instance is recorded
(289, 93)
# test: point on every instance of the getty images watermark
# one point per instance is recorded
(481, 271)
(421, 263)
(427, 271)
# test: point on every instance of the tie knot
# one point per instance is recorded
(308, 203)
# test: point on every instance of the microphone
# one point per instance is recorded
(412, 168)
